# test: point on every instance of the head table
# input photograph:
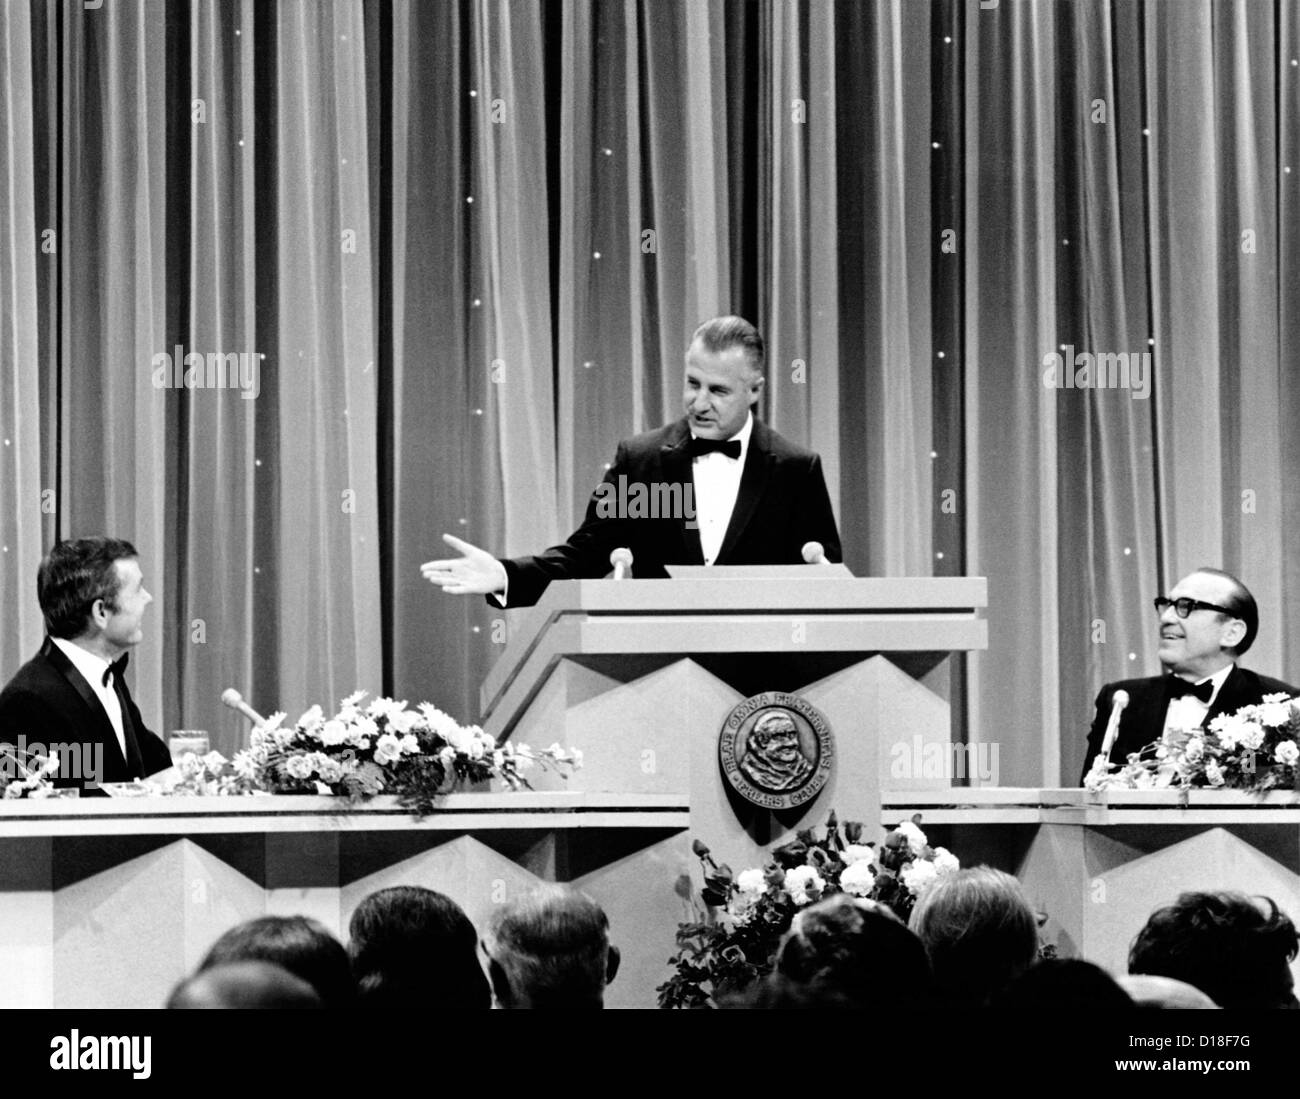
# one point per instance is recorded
(108, 902)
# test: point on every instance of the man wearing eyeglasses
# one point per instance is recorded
(1207, 622)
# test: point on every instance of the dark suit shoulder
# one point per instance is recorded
(1267, 685)
(1133, 686)
(651, 442)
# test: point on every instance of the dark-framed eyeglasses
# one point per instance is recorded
(1184, 606)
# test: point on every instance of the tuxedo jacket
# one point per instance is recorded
(782, 504)
(49, 702)
(1143, 719)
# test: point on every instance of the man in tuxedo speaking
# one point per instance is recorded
(742, 495)
(70, 699)
(1207, 622)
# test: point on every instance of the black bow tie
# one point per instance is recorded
(1178, 688)
(729, 447)
(115, 669)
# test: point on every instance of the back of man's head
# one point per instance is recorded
(978, 930)
(1236, 949)
(241, 985)
(550, 949)
(73, 575)
(858, 949)
(297, 943)
(412, 947)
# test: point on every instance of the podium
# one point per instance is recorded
(641, 675)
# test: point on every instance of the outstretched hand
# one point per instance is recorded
(474, 572)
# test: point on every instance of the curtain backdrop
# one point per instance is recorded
(448, 252)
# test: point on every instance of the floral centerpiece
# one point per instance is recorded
(1254, 749)
(734, 942)
(364, 750)
(26, 774)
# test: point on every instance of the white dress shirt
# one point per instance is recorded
(92, 669)
(1189, 711)
(717, 484)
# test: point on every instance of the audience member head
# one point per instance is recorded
(301, 945)
(550, 949)
(1236, 949)
(241, 985)
(978, 931)
(412, 947)
(857, 949)
(1064, 984)
(92, 590)
(1164, 993)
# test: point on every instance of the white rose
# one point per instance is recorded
(410, 744)
(476, 749)
(1287, 753)
(402, 723)
(858, 879)
(387, 749)
(1195, 749)
(1213, 773)
(298, 767)
(945, 862)
(333, 733)
(858, 852)
(804, 884)
(752, 883)
(914, 836)
(918, 875)
(1252, 736)
(447, 757)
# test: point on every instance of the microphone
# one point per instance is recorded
(814, 553)
(621, 559)
(232, 698)
(1118, 702)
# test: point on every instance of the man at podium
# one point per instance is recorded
(717, 487)
(1207, 622)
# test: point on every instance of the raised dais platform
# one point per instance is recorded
(108, 903)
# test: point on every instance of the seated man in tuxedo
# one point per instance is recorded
(739, 493)
(70, 698)
(1207, 622)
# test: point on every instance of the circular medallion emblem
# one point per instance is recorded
(776, 750)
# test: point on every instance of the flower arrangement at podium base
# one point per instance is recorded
(362, 751)
(1254, 749)
(734, 943)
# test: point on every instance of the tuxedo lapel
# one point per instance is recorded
(1233, 695)
(1145, 714)
(753, 483)
(675, 458)
(97, 723)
